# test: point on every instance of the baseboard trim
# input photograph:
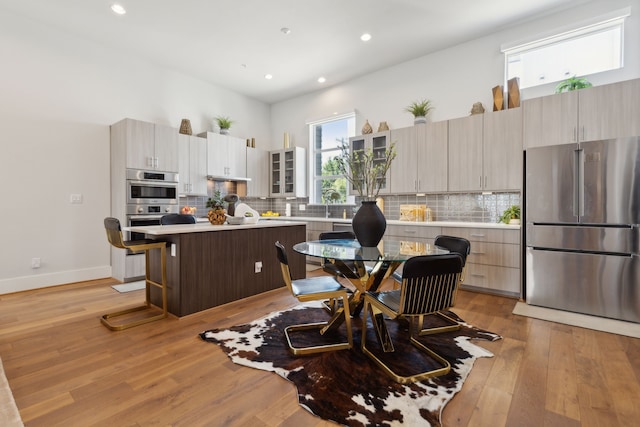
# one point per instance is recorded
(603, 324)
(27, 283)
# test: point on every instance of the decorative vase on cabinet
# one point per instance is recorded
(369, 224)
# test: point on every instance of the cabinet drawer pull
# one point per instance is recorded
(477, 235)
(410, 231)
(478, 253)
(477, 275)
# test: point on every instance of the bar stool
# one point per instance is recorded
(114, 235)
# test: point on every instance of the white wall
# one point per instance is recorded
(453, 79)
(59, 94)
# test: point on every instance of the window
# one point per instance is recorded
(326, 137)
(578, 52)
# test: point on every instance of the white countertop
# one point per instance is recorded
(396, 222)
(202, 227)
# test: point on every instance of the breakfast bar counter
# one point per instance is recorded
(210, 265)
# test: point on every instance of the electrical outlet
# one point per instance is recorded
(302, 207)
(76, 199)
(35, 262)
(258, 267)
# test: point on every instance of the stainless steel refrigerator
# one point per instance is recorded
(582, 218)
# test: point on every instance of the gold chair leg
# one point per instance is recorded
(444, 369)
(106, 318)
(340, 314)
(453, 326)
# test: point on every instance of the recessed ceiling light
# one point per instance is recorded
(285, 30)
(268, 76)
(117, 8)
(321, 80)
(365, 37)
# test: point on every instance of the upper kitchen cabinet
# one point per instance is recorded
(421, 161)
(226, 156)
(258, 172)
(288, 173)
(609, 111)
(193, 165)
(378, 143)
(148, 146)
(502, 150)
(601, 112)
(465, 154)
(550, 120)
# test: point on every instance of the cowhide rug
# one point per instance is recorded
(346, 386)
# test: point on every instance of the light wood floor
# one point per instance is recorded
(65, 368)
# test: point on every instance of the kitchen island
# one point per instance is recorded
(209, 265)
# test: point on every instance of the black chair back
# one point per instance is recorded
(429, 283)
(455, 244)
(337, 235)
(173, 218)
(114, 232)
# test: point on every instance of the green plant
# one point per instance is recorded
(224, 122)
(513, 212)
(217, 201)
(365, 170)
(572, 83)
(419, 108)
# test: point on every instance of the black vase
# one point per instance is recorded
(369, 224)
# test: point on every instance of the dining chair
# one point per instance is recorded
(316, 289)
(347, 269)
(457, 245)
(114, 235)
(429, 283)
(174, 218)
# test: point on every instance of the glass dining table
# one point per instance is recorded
(353, 261)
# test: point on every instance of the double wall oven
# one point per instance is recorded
(150, 195)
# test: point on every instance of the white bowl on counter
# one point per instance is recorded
(236, 220)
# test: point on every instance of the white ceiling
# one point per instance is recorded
(211, 39)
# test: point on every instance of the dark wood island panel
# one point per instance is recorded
(214, 268)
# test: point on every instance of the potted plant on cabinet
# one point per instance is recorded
(224, 123)
(572, 83)
(217, 215)
(511, 215)
(365, 170)
(419, 109)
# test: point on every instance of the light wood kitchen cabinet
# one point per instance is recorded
(502, 153)
(288, 173)
(494, 262)
(609, 111)
(148, 146)
(227, 156)
(412, 233)
(465, 154)
(378, 143)
(193, 165)
(550, 120)
(258, 172)
(421, 161)
(601, 112)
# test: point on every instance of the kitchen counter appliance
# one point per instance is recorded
(582, 228)
(146, 187)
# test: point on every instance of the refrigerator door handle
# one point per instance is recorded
(578, 182)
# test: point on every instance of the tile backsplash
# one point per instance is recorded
(468, 207)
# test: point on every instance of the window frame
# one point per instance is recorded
(614, 20)
(350, 117)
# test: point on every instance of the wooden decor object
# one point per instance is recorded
(185, 127)
(498, 98)
(383, 126)
(513, 92)
(366, 128)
